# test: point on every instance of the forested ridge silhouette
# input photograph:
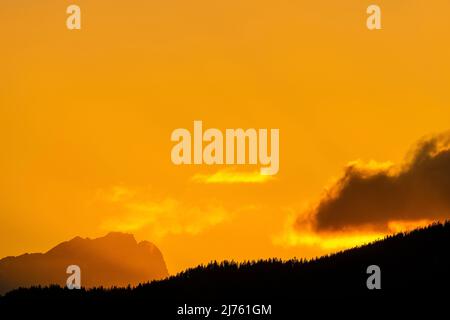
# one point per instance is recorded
(414, 264)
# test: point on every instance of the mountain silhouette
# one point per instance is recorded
(414, 272)
(113, 260)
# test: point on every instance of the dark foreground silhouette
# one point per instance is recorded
(414, 267)
(116, 259)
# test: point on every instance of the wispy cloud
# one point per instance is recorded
(306, 235)
(159, 217)
(230, 176)
(326, 241)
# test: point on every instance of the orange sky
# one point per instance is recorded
(86, 116)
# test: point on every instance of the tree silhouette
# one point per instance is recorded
(413, 265)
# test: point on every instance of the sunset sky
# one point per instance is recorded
(86, 118)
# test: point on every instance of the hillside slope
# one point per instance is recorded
(414, 269)
(113, 260)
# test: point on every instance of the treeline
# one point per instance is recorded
(412, 264)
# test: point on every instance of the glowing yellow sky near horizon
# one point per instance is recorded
(86, 116)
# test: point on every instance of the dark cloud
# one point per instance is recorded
(420, 189)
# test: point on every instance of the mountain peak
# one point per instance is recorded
(115, 259)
